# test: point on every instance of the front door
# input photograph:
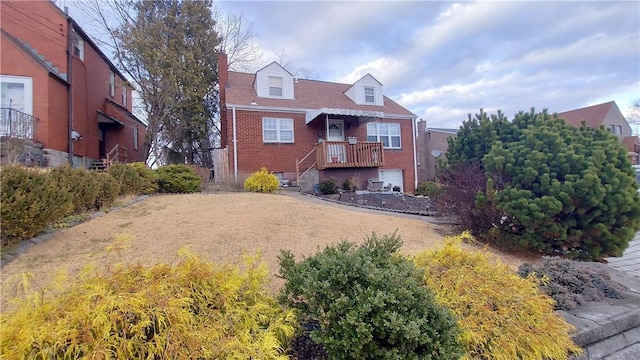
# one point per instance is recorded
(335, 132)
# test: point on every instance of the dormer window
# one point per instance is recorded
(369, 94)
(275, 86)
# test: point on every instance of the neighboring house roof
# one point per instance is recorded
(593, 116)
(632, 142)
(310, 95)
(446, 131)
(39, 58)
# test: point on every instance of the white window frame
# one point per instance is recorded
(78, 46)
(370, 98)
(112, 83)
(616, 129)
(376, 132)
(27, 82)
(282, 125)
(124, 95)
(276, 86)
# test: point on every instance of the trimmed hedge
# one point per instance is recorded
(178, 178)
(30, 201)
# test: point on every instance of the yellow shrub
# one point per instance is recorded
(194, 309)
(262, 181)
(502, 315)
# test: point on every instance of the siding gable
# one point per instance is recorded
(357, 91)
(261, 82)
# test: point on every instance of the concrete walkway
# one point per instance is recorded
(629, 262)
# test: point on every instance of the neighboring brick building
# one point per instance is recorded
(608, 115)
(61, 90)
(432, 146)
(308, 131)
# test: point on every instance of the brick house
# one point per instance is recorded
(61, 92)
(432, 146)
(307, 131)
(608, 115)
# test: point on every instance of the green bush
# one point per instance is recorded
(502, 315)
(148, 178)
(554, 188)
(427, 188)
(108, 190)
(329, 186)
(571, 283)
(178, 178)
(83, 186)
(30, 201)
(350, 184)
(192, 310)
(262, 181)
(127, 177)
(370, 303)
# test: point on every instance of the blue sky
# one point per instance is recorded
(444, 60)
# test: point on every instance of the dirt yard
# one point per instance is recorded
(220, 227)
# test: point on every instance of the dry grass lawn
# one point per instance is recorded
(220, 227)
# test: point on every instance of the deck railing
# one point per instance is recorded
(16, 124)
(118, 154)
(347, 154)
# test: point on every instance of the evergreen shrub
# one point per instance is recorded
(350, 184)
(30, 200)
(502, 315)
(127, 177)
(571, 283)
(329, 186)
(427, 188)
(178, 178)
(83, 186)
(369, 302)
(108, 190)
(262, 181)
(192, 310)
(148, 178)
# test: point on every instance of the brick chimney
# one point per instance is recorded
(223, 80)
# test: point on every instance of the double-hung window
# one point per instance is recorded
(275, 130)
(78, 46)
(275, 86)
(124, 95)
(615, 129)
(369, 94)
(387, 134)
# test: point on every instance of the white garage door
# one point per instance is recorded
(391, 176)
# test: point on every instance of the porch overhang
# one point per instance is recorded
(108, 120)
(313, 114)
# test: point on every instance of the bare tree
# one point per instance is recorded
(300, 72)
(238, 40)
(634, 117)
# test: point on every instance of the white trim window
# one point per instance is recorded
(387, 134)
(370, 94)
(112, 83)
(275, 130)
(124, 95)
(78, 46)
(616, 130)
(275, 86)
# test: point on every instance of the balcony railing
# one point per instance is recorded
(347, 154)
(16, 124)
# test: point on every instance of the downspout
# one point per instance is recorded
(69, 88)
(235, 146)
(415, 161)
